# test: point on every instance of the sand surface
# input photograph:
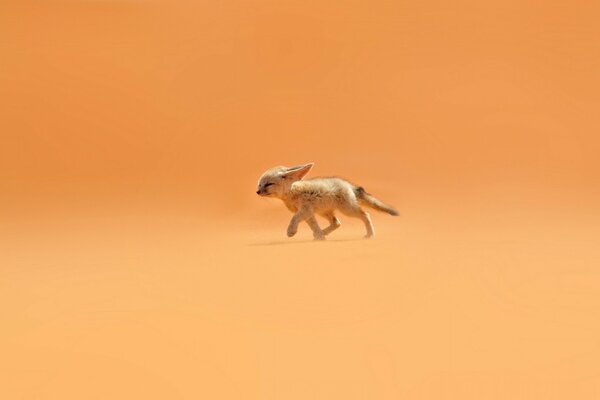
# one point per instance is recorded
(136, 260)
(432, 308)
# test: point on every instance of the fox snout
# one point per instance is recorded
(262, 191)
(265, 188)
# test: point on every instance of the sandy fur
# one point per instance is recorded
(322, 196)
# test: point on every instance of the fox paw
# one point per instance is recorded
(291, 232)
(368, 236)
(319, 237)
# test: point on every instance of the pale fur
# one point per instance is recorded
(318, 196)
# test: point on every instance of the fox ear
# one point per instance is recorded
(298, 172)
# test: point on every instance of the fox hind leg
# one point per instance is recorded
(358, 212)
(366, 218)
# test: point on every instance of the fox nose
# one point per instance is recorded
(258, 192)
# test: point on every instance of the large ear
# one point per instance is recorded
(298, 172)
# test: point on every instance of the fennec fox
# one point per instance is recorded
(322, 196)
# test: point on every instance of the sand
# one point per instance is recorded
(136, 260)
(429, 309)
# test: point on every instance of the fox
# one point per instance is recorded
(319, 196)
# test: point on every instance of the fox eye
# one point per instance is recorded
(269, 184)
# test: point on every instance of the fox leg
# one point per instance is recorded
(317, 232)
(302, 214)
(334, 223)
(364, 216)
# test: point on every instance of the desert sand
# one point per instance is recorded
(136, 260)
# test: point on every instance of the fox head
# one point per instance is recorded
(277, 181)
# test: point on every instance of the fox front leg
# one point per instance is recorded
(333, 221)
(300, 215)
(292, 227)
(317, 232)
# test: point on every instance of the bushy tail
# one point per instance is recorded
(370, 201)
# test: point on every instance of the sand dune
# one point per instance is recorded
(136, 260)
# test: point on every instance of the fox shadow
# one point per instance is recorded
(304, 241)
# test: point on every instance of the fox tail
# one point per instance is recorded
(368, 200)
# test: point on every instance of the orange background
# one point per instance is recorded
(137, 261)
